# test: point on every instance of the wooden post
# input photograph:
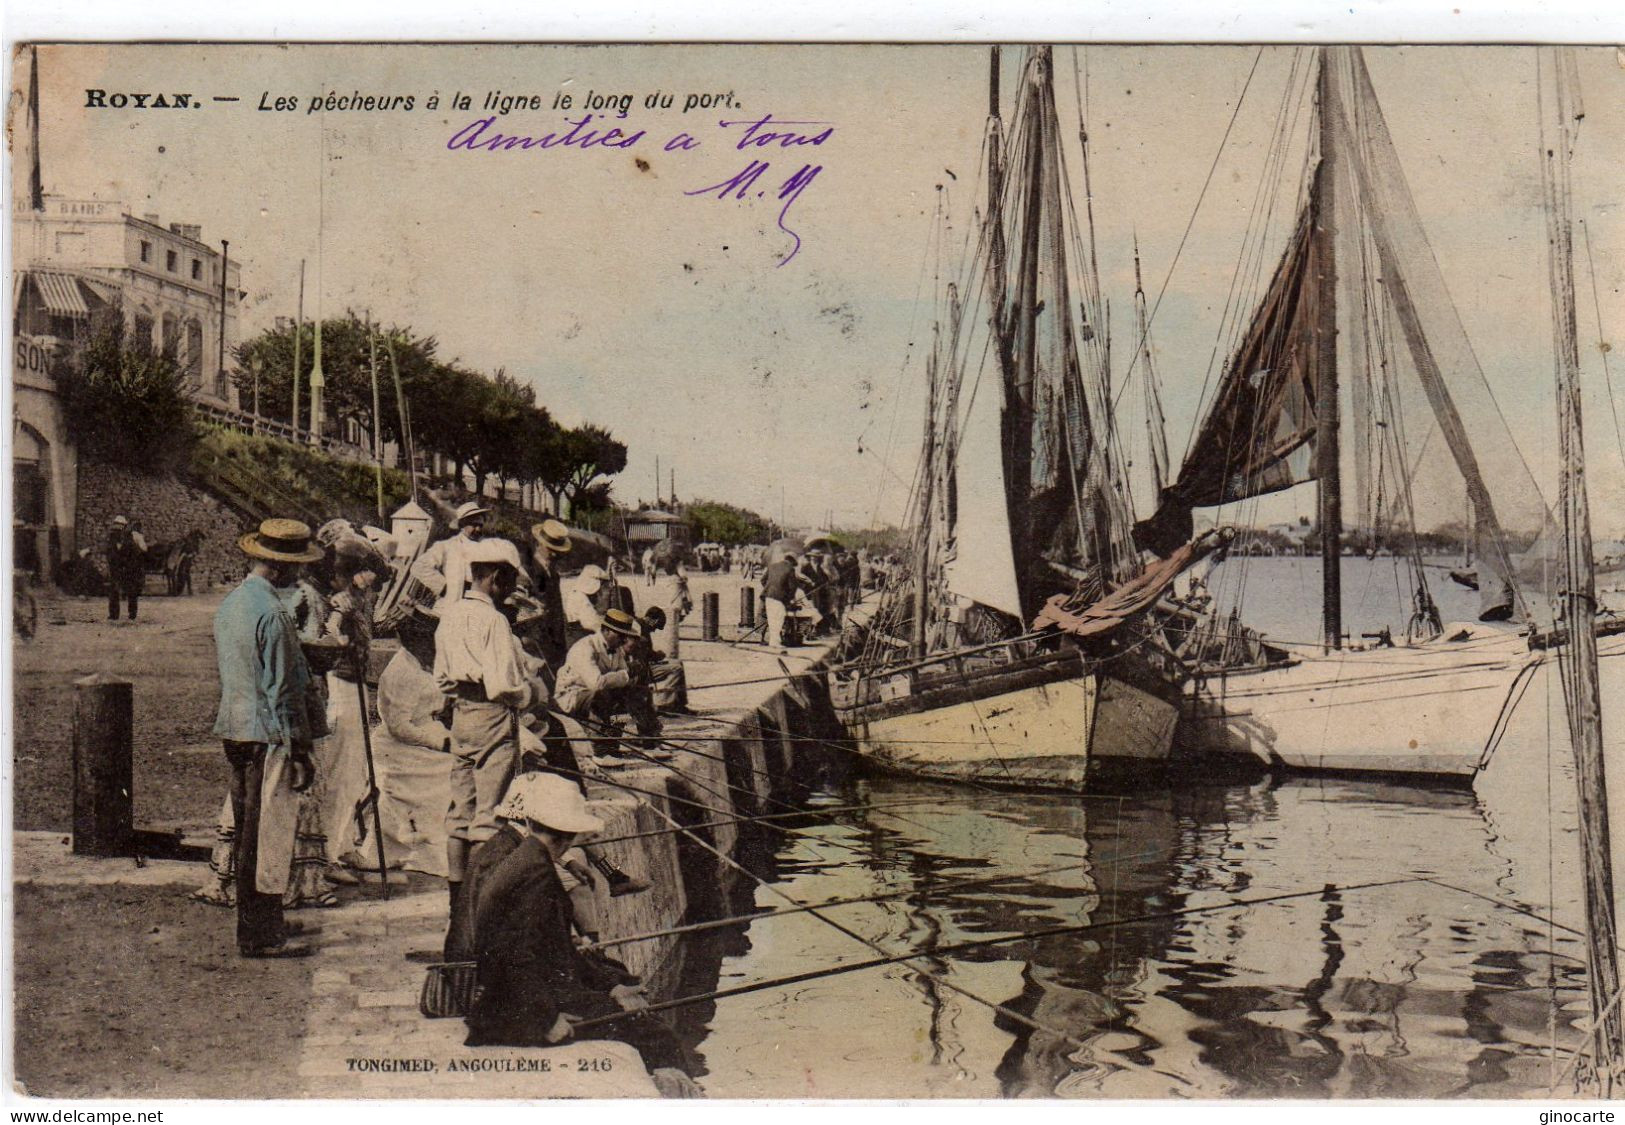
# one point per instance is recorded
(747, 606)
(710, 615)
(103, 771)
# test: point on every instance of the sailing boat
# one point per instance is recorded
(1021, 513)
(1437, 702)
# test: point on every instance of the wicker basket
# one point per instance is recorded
(449, 990)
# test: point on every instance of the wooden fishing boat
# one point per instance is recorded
(1018, 647)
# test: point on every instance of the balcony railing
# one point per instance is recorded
(244, 422)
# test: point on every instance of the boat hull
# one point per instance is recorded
(1429, 711)
(1064, 733)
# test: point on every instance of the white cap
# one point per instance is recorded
(550, 800)
(593, 574)
(493, 550)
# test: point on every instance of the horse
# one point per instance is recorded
(174, 560)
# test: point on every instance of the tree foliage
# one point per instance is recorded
(128, 405)
(348, 356)
(488, 426)
(711, 521)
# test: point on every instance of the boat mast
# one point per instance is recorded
(1155, 424)
(1578, 656)
(1328, 454)
(922, 545)
(995, 215)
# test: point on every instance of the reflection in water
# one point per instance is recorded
(1169, 987)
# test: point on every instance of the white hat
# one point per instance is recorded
(120, 521)
(592, 573)
(469, 510)
(549, 800)
(493, 550)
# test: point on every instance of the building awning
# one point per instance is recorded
(61, 293)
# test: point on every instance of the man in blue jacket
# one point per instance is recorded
(268, 724)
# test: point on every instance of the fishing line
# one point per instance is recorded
(982, 943)
(1009, 1013)
(949, 885)
(689, 779)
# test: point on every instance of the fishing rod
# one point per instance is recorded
(943, 981)
(588, 723)
(928, 892)
(792, 832)
(982, 943)
(825, 810)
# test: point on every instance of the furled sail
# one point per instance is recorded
(1065, 496)
(1258, 436)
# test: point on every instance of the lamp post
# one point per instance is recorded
(220, 363)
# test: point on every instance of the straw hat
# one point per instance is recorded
(280, 540)
(549, 800)
(468, 511)
(120, 521)
(553, 535)
(619, 621)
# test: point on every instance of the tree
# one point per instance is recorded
(503, 411)
(568, 461)
(127, 405)
(447, 409)
(346, 367)
(593, 453)
(711, 521)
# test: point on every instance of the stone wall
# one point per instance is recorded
(168, 508)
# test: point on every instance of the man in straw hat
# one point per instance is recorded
(480, 668)
(536, 983)
(267, 726)
(444, 567)
(598, 683)
(551, 540)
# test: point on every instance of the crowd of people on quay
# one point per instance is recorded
(503, 699)
(510, 689)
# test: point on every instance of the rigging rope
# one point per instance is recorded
(1214, 167)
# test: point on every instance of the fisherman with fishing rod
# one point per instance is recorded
(602, 679)
(535, 981)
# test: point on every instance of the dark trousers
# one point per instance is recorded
(557, 755)
(129, 587)
(259, 916)
(606, 708)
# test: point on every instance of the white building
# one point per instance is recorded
(78, 255)
(74, 261)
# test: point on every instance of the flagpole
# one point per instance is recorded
(298, 341)
(377, 428)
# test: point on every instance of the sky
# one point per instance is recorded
(788, 382)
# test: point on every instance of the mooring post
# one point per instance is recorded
(747, 607)
(710, 615)
(103, 769)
